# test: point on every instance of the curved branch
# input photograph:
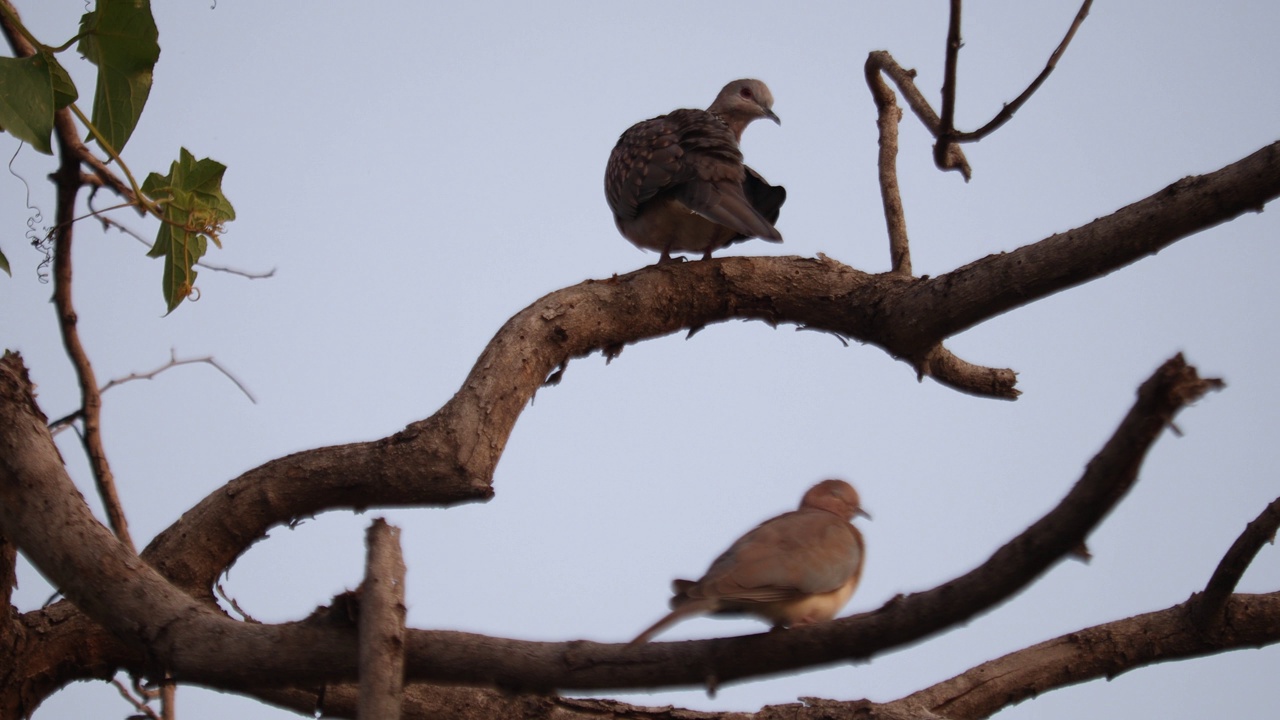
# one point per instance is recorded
(449, 457)
(1207, 605)
(941, 365)
(1101, 651)
(193, 642)
(888, 115)
(906, 82)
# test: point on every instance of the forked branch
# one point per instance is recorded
(195, 644)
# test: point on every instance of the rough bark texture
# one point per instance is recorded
(168, 629)
(153, 614)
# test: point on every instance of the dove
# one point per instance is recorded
(798, 568)
(676, 182)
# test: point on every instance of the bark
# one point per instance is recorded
(167, 630)
(382, 613)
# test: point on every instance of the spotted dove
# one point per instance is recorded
(677, 183)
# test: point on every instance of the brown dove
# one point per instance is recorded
(676, 183)
(798, 568)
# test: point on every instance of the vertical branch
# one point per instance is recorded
(946, 131)
(381, 625)
(888, 116)
(67, 180)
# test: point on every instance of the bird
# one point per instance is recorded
(676, 182)
(798, 568)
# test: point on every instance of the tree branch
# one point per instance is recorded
(449, 457)
(174, 361)
(888, 115)
(945, 149)
(950, 66)
(1102, 651)
(941, 365)
(193, 642)
(906, 82)
(1207, 606)
(1006, 113)
(996, 284)
(67, 181)
(382, 613)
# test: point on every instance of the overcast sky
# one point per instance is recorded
(418, 172)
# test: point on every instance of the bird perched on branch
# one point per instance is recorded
(676, 183)
(798, 568)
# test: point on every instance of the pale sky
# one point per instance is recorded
(418, 172)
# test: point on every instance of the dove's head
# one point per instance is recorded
(834, 496)
(742, 101)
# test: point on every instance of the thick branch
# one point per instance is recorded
(382, 612)
(195, 643)
(449, 458)
(42, 512)
(948, 304)
(1101, 651)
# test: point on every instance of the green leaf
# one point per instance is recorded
(194, 211)
(31, 89)
(120, 38)
(64, 90)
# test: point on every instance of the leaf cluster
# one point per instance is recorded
(120, 38)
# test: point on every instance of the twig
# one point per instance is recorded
(954, 44)
(174, 361)
(1006, 113)
(222, 593)
(1207, 605)
(944, 150)
(138, 704)
(108, 222)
